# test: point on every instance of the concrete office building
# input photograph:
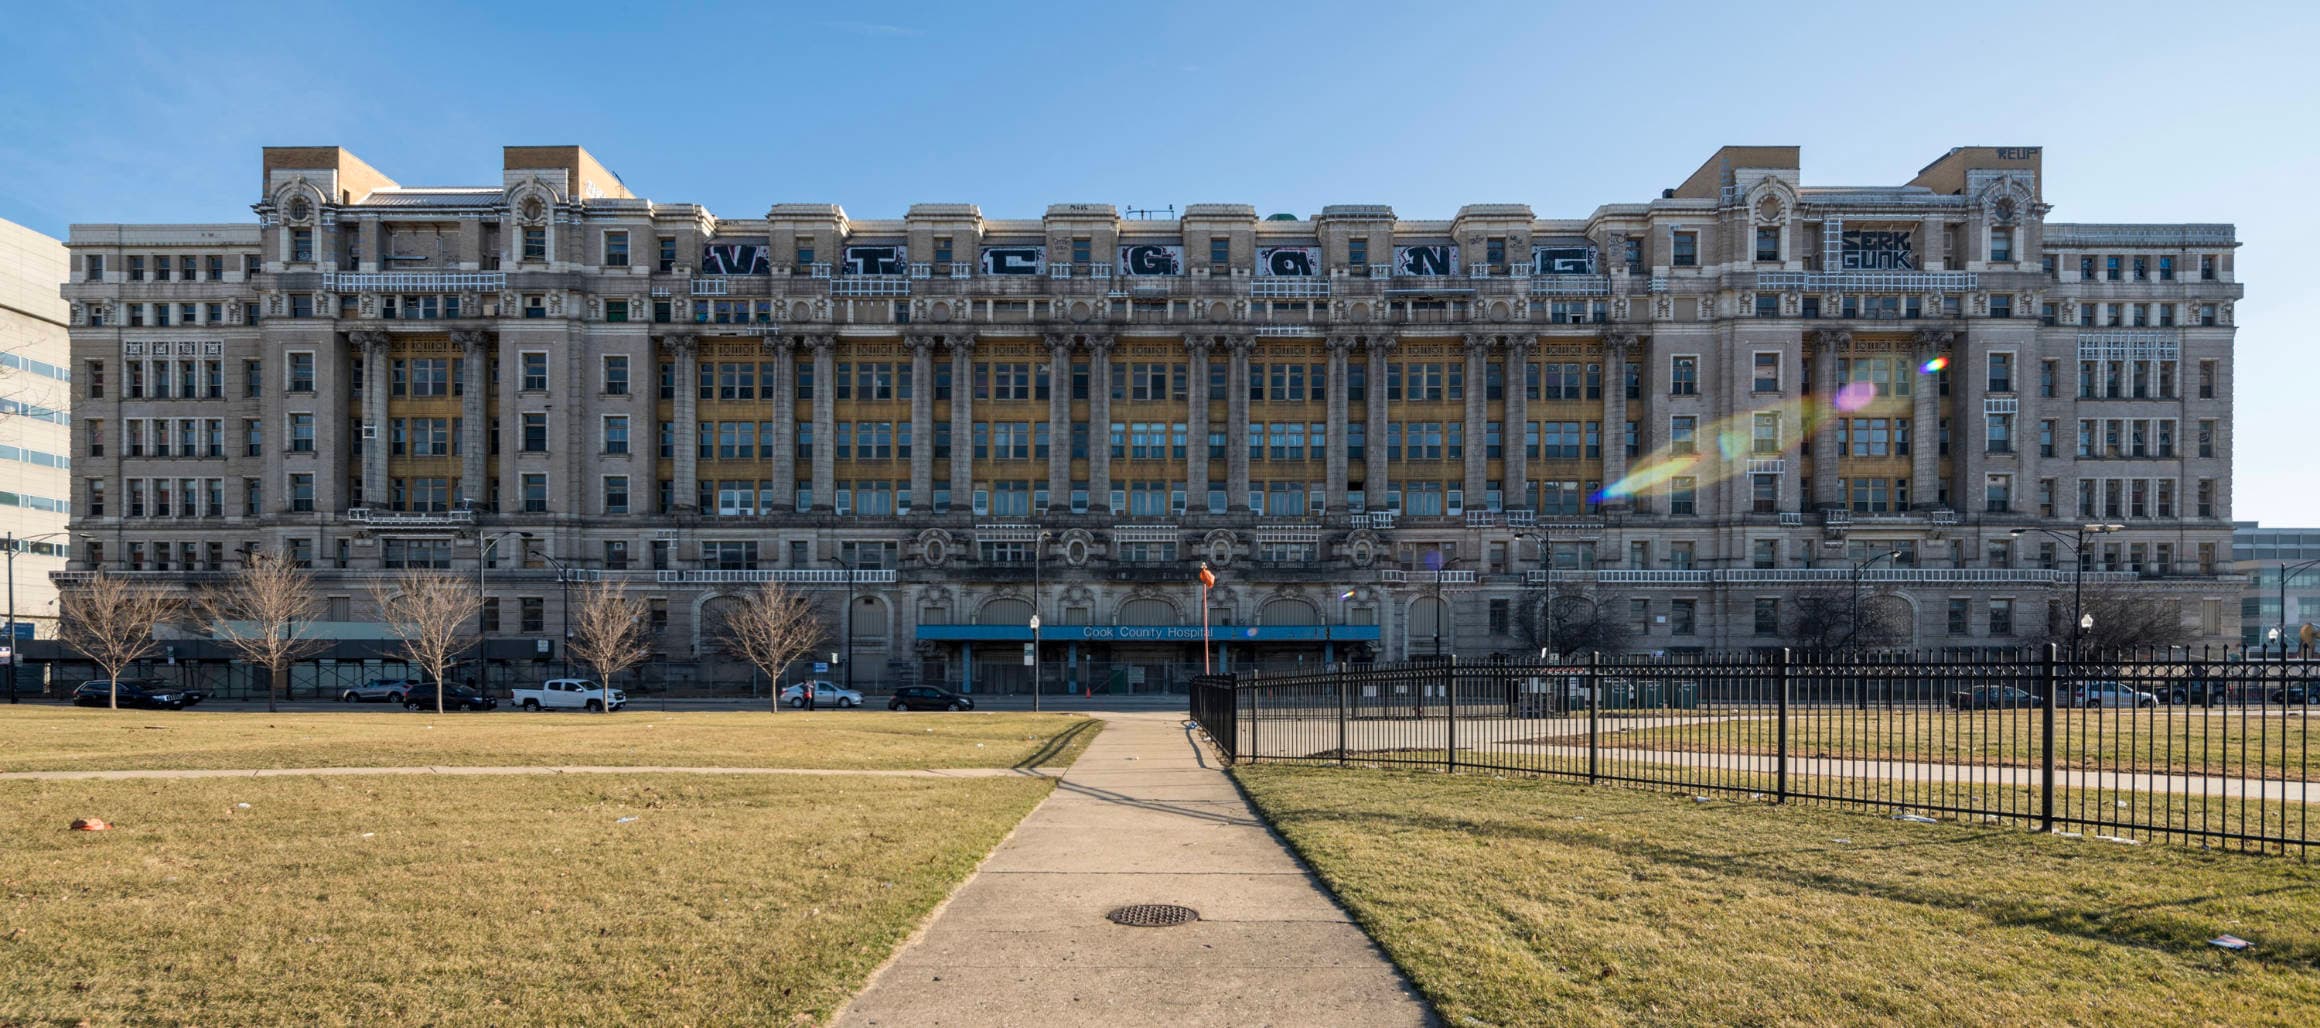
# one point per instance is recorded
(2264, 554)
(1378, 431)
(35, 420)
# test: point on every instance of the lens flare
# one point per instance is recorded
(1936, 364)
(1853, 396)
(1652, 472)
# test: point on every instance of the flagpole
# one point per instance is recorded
(1207, 577)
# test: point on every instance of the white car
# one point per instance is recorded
(2111, 694)
(568, 694)
(825, 693)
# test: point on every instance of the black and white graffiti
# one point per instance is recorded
(1879, 250)
(1013, 260)
(1437, 259)
(888, 259)
(1152, 259)
(735, 259)
(1563, 259)
(1288, 261)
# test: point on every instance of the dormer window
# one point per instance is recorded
(300, 210)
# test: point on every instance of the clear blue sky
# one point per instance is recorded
(2158, 112)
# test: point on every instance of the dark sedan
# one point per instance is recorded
(455, 697)
(2002, 697)
(146, 693)
(927, 697)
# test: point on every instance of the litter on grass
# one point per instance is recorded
(624, 820)
(1702, 799)
(2230, 942)
(90, 824)
(2120, 839)
(241, 806)
(1916, 819)
(367, 835)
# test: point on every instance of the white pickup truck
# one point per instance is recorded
(569, 694)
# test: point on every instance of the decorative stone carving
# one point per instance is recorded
(1362, 547)
(934, 547)
(1220, 544)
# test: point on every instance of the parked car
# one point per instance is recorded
(2111, 694)
(455, 697)
(927, 697)
(384, 690)
(2292, 695)
(826, 693)
(2196, 691)
(1998, 697)
(147, 693)
(568, 694)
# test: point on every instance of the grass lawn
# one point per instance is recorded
(2225, 740)
(1518, 901)
(382, 899)
(76, 739)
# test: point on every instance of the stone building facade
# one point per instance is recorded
(1380, 432)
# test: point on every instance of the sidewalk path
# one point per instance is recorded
(1144, 816)
(572, 769)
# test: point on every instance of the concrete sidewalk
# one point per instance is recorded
(1144, 816)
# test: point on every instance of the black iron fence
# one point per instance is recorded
(2204, 747)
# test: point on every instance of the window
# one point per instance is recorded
(2001, 305)
(301, 372)
(2001, 246)
(532, 614)
(302, 492)
(1501, 617)
(301, 433)
(2111, 270)
(2001, 617)
(616, 494)
(1767, 616)
(616, 375)
(1683, 431)
(1357, 255)
(301, 246)
(1685, 250)
(1767, 378)
(1767, 305)
(2207, 267)
(535, 429)
(1765, 437)
(1961, 614)
(1219, 254)
(2207, 380)
(1681, 494)
(1768, 243)
(616, 249)
(1683, 617)
(616, 433)
(1684, 376)
(668, 255)
(535, 372)
(535, 243)
(535, 493)
(1998, 493)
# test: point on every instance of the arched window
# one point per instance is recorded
(1286, 610)
(1006, 610)
(1147, 610)
(1429, 616)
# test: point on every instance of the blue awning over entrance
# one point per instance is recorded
(1151, 633)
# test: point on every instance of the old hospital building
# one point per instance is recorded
(1383, 434)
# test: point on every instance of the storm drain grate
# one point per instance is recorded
(1154, 915)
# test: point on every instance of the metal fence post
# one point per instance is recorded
(2047, 692)
(1344, 697)
(1781, 679)
(1594, 734)
(1253, 750)
(1450, 700)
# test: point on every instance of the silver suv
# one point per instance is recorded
(383, 690)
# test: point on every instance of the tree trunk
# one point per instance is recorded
(274, 683)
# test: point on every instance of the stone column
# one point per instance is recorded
(963, 421)
(684, 352)
(1334, 453)
(921, 422)
(375, 389)
(1516, 417)
(1100, 422)
(825, 421)
(1236, 425)
(1196, 427)
(1826, 495)
(1477, 411)
(1618, 347)
(474, 424)
(782, 405)
(1925, 423)
(1058, 422)
(1374, 441)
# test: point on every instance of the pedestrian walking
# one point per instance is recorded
(808, 693)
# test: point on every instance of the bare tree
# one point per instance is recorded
(1583, 623)
(433, 614)
(611, 635)
(259, 613)
(111, 622)
(1840, 619)
(2124, 618)
(770, 626)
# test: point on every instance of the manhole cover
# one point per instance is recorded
(1154, 915)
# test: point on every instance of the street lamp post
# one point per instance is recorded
(1860, 572)
(564, 588)
(1038, 549)
(12, 542)
(1329, 631)
(2081, 623)
(484, 545)
(2280, 633)
(848, 616)
(1546, 541)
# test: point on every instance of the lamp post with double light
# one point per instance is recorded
(2081, 622)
